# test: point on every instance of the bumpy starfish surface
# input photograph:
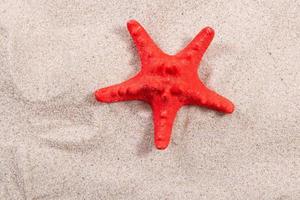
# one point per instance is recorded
(166, 82)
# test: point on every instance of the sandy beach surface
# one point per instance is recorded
(57, 142)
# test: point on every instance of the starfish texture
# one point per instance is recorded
(166, 82)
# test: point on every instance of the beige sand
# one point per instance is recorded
(56, 142)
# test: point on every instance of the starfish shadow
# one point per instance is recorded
(145, 146)
(207, 110)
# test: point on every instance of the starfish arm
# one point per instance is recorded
(210, 99)
(125, 91)
(144, 43)
(163, 117)
(197, 47)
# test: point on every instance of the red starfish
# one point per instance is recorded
(166, 82)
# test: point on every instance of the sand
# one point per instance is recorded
(56, 142)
